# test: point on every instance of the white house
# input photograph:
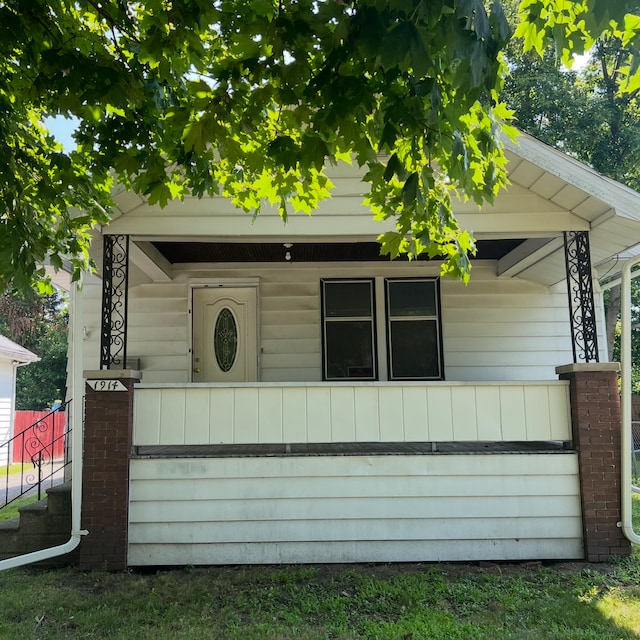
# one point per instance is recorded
(12, 356)
(294, 397)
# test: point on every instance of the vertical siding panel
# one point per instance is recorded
(488, 409)
(172, 416)
(536, 406)
(415, 414)
(270, 414)
(514, 425)
(222, 416)
(197, 417)
(147, 416)
(294, 415)
(439, 414)
(245, 408)
(463, 403)
(318, 414)
(367, 416)
(560, 413)
(391, 416)
(343, 423)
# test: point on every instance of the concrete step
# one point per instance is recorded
(42, 524)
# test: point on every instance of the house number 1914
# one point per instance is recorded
(106, 385)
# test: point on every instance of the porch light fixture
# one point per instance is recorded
(287, 255)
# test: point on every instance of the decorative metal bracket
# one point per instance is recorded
(584, 334)
(115, 286)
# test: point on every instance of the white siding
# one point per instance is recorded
(354, 509)
(493, 329)
(365, 412)
(7, 393)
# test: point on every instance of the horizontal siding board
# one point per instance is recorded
(336, 530)
(353, 552)
(513, 332)
(348, 486)
(410, 507)
(474, 465)
(297, 345)
(271, 332)
(496, 359)
(308, 374)
(488, 372)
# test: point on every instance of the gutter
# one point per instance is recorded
(625, 357)
(77, 391)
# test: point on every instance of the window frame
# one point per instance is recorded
(381, 327)
(437, 317)
(372, 318)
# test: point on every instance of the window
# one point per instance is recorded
(349, 335)
(400, 342)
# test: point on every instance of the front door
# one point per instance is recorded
(224, 334)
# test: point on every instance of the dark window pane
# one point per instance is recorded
(347, 299)
(414, 349)
(349, 350)
(414, 298)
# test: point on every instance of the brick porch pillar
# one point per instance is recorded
(596, 424)
(108, 430)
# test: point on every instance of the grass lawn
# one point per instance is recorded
(530, 601)
(449, 602)
(16, 468)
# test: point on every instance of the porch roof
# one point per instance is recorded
(549, 193)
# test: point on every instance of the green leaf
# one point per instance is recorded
(410, 189)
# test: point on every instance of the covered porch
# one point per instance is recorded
(486, 454)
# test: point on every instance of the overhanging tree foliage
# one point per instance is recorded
(252, 98)
(592, 113)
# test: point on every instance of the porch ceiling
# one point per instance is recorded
(197, 252)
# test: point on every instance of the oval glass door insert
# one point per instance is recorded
(225, 339)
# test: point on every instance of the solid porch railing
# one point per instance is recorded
(374, 412)
(40, 453)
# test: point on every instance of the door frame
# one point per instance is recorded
(220, 283)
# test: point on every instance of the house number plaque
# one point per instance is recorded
(106, 385)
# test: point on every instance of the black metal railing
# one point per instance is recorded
(40, 453)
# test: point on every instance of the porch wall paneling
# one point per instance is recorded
(253, 413)
(493, 329)
(354, 509)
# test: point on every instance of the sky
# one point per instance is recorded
(62, 128)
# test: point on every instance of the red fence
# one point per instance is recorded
(40, 432)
